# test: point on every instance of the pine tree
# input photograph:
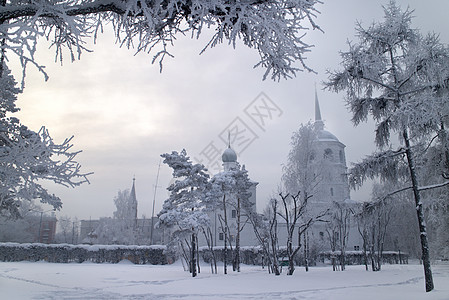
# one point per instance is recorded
(186, 208)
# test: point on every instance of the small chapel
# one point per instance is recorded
(247, 237)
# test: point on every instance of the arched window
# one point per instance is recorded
(328, 154)
(342, 156)
(332, 191)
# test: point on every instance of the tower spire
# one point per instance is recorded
(134, 202)
(318, 121)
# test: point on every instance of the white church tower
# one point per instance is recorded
(333, 185)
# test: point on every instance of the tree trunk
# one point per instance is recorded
(365, 255)
(291, 265)
(420, 215)
(225, 238)
(210, 244)
(306, 251)
(237, 241)
(193, 257)
(197, 254)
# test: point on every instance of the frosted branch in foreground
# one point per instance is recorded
(274, 28)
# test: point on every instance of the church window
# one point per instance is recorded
(328, 153)
(220, 236)
(232, 238)
(233, 214)
(342, 157)
(332, 191)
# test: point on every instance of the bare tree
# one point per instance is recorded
(341, 223)
(265, 230)
(293, 212)
(273, 242)
(332, 235)
(373, 220)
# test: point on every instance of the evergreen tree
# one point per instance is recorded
(398, 77)
(186, 208)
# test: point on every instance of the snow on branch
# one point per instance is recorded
(27, 157)
(274, 28)
(433, 186)
(388, 165)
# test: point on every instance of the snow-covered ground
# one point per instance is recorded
(41, 280)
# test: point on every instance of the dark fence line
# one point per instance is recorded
(65, 253)
(158, 254)
(357, 257)
(248, 255)
(255, 256)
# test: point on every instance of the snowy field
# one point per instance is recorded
(41, 280)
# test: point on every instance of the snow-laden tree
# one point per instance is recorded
(433, 165)
(373, 219)
(266, 229)
(399, 78)
(68, 230)
(122, 227)
(275, 29)
(27, 156)
(222, 189)
(231, 189)
(243, 206)
(21, 230)
(186, 208)
(302, 172)
(126, 207)
(337, 230)
(125, 218)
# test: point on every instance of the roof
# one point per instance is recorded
(229, 155)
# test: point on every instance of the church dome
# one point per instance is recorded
(324, 135)
(229, 155)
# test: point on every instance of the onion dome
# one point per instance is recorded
(229, 155)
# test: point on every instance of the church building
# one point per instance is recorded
(332, 189)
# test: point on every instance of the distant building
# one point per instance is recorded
(46, 231)
(93, 231)
(329, 163)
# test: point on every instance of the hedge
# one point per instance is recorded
(66, 253)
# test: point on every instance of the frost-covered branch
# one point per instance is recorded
(388, 165)
(27, 156)
(433, 186)
(274, 28)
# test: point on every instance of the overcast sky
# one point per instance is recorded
(124, 113)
